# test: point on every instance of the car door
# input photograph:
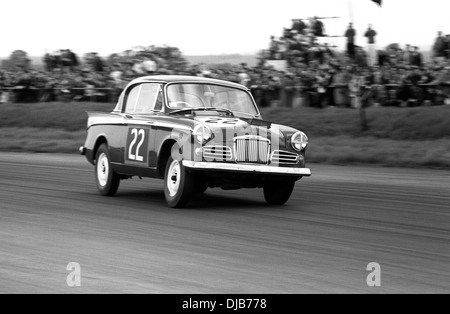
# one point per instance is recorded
(142, 104)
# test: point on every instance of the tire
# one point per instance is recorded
(278, 193)
(107, 180)
(178, 184)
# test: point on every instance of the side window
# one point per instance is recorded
(132, 98)
(147, 98)
(144, 99)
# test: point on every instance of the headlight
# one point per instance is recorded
(203, 133)
(299, 141)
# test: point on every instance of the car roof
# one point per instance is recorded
(184, 79)
(165, 79)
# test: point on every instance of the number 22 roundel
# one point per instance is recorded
(137, 145)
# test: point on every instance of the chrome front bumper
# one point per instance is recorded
(257, 169)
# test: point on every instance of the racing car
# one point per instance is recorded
(194, 133)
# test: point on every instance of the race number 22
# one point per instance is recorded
(137, 145)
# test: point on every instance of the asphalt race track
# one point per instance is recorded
(336, 223)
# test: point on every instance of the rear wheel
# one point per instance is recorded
(107, 180)
(178, 184)
(278, 193)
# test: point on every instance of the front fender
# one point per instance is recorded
(165, 139)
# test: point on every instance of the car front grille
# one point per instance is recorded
(284, 158)
(253, 150)
(217, 153)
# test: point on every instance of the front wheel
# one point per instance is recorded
(278, 193)
(178, 184)
(107, 180)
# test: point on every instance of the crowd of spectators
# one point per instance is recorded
(65, 78)
(316, 75)
(313, 75)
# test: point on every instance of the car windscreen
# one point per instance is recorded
(186, 96)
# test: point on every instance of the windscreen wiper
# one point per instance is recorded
(231, 113)
(228, 111)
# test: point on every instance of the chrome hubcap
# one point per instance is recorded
(102, 169)
(173, 178)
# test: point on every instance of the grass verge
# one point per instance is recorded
(39, 140)
(409, 137)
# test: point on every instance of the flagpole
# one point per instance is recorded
(350, 11)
